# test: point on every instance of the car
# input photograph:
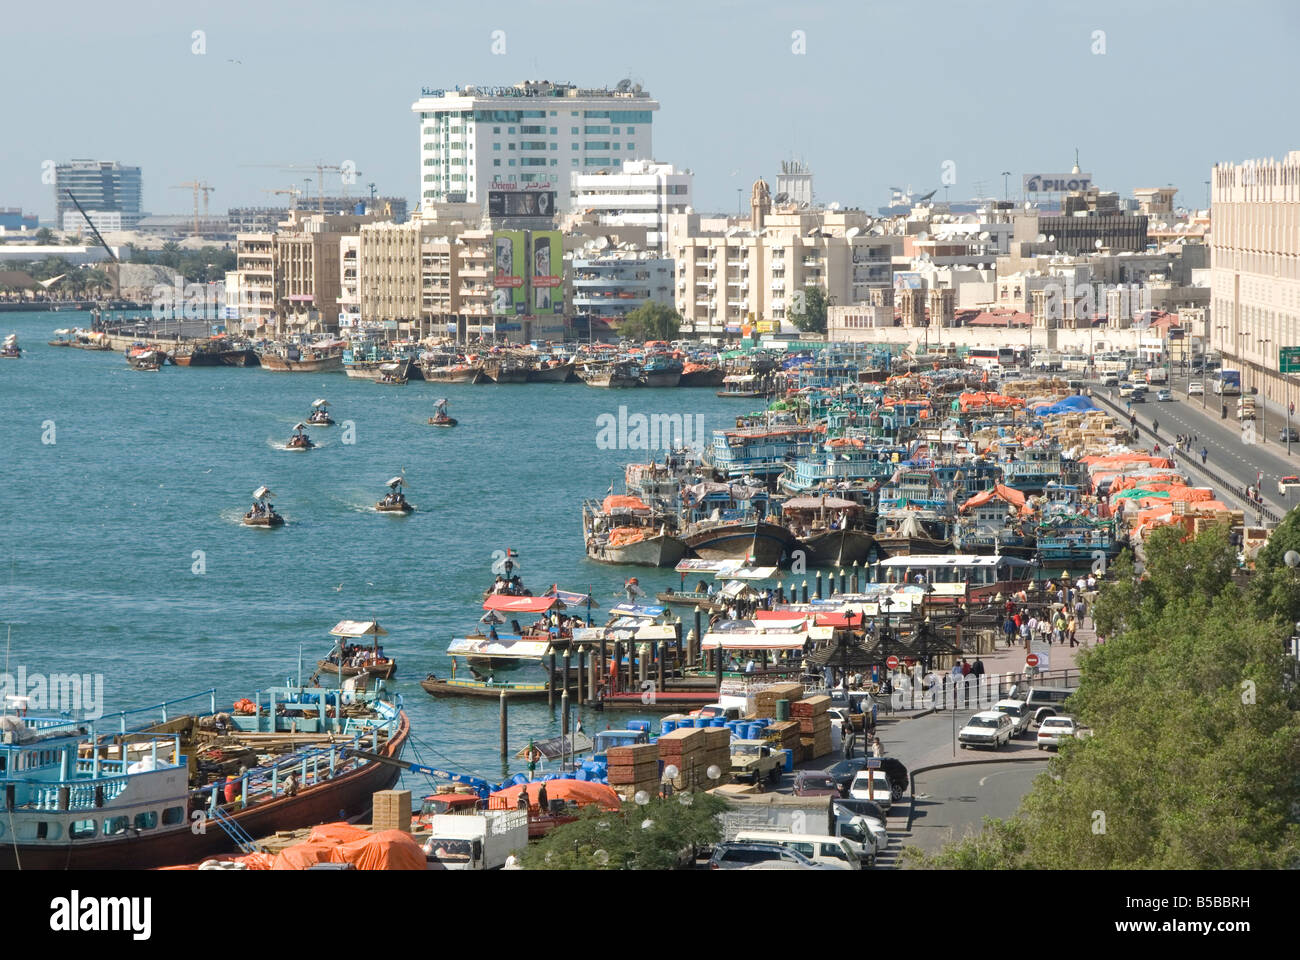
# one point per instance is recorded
(1126, 390)
(1164, 396)
(1288, 434)
(1019, 712)
(1286, 484)
(753, 760)
(1046, 702)
(738, 856)
(1138, 396)
(988, 728)
(1110, 380)
(835, 853)
(845, 771)
(851, 812)
(815, 783)
(1196, 389)
(872, 785)
(1055, 729)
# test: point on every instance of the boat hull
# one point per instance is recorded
(472, 688)
(702, 378)
(456, 374)
(765, 542)
(662, 550)
(666, 378)
(556, 374)
(449, 422)
(837, 548)
(382, 673)
(279, 364)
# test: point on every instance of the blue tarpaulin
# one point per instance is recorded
(1074, 404)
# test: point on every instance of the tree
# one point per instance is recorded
(649, 837)
(810, 316)
(651, 321)
(170, 255)
(44, 236)
(1196, 733)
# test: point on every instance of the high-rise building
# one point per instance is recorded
(640, 194)
(1255, 269)
(101, 187)
(529, 136)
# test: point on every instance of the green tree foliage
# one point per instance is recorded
(651, 321)
(812, 317)
(44, 236)
(649, 837)
(1196, 747)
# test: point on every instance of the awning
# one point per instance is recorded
(504, 648)
(572, 599)
(505, 602)
(636, 610)
(817, 503)
(359, 628)
(753, 641)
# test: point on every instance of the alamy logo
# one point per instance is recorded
(658, 431)
(57, 693)
(78, 914)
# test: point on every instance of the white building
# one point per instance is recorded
(530, 135)
(105, 221)
(642, 193)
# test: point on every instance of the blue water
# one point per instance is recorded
(101, 527)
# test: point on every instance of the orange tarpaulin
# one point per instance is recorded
(622, 536)
(1009, 494)
(581, 792)
(987, 399)
(621, 502)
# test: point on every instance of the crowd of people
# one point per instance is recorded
(1067, 611)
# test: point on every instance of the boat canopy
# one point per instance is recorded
(503, 648)
(726, 569)
(394, 482)
(261, 493)
(647, 611)
(572, 599)
(358, 628)
(300, 426)
(320, 403)
(818, 503)
(503, 601)
(617, 502)
(918, 561)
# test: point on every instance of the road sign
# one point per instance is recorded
(1288, 359)
(1032, 659)
(892, 662)
(873, 763)
(910, 661)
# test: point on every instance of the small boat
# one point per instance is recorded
(294, 360)
(437, 686)
(551, 372)
(613, 375)
(320, 414)
(300, 440)
(62, 338)
(449, 373)
(142, 357)
(393, 374)
(440, 418)
(10, 350)
(262, 513)
(350, 660)
(394, 502)
(507, 370)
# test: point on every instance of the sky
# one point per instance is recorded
(886, 93)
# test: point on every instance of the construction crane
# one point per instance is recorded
(320, 169)
(293, 193)
(116, 269)
(196, 186)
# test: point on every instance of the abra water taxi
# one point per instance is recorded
(440, 418)
(395, 501)
(262, 513)
(320, 414)
(351, 659)
(10, 349)
(299, 440)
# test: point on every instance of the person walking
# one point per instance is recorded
(1071, 628)
(877, 748)
(1155, 427)
(1204, 454)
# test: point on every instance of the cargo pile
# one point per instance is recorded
(634, 768)
(392, 810)
(765, 700)
(717, 753)
(814, 725)
(784, 735)
(1043, 388)
(686, 748)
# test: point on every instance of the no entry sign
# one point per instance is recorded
(891, 662)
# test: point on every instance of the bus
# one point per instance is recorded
(990, 358)
(1227, 383)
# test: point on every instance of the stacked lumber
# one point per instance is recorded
(814, 725)
(633, 768)
(717, 753)
(392, 810)
(765, 700)
(784, 735)
(689, 749)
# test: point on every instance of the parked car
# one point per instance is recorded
(1196, 389)
(845, 771)
(1285, 484)
(835, 853)
(988, 728)
(815, 783)
(1288, 433)
(1046, 701)
(1019, 712)
(1164, 396)
(872, 785)
(737, 856)
(867, 812)
(1055, 729)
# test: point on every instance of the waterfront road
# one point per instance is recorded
(952, 802)
(1230, 455)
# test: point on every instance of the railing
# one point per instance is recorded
(242, 839)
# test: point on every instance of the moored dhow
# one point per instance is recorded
(623, 529)
(293, 359)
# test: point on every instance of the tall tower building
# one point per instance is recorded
(110, 193)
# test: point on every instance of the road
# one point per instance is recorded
(953, 802)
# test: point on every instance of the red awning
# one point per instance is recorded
(501, 601)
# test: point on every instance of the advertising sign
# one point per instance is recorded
(508, 282)
(1056, 182)
(521, 203)
(548, 273)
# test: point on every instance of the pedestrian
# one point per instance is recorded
(1204, 454)
(1092, 583)
(1155, 428)
(1071, 629)
(965, 667)
(1025, 632)
(877, 748)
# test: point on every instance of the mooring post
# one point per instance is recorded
(505, 739)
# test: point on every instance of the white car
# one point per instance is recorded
(1196, 389)
(1285, 484)
(1055, 729)
(1019, 712)
(988, 728)
(1110, 380)
(872, 785)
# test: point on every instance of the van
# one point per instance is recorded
(834, 852)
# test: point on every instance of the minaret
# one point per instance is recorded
(760, 204)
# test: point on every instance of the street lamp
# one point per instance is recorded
(1006, 190)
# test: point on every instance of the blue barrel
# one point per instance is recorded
(668, 726)
(789, 761)
(753, 731)
(639, 725)
(717, 722)
(580, 775)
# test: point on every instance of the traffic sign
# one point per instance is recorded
(873, 763)
(1032, 659)
(1288, 359)
(891, 662)
(910, 661)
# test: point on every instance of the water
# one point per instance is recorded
(101, 528)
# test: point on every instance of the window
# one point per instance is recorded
(146, 821)
(81, 829)
(616, 146)
(598, 128)
(496, 163)
(116, 825)
(554, 162)
(496, 146)
(574, 161)
(631, 130)
(510, 146)
(512, 163)
(510, 130)
(631, 146)
(496, 129)
(573, 131)
(552, 114)
(615, 130)
(553, 129)
(173, 816)
(555, 146)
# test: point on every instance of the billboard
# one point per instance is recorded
(1056, 182)
(547, 263)
(508, 295)
(521, 203)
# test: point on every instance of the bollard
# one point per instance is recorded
(818, 594)
(616, 667)
(550, 684)
(567, 659)
(699, 636)
(805, 592)
(842, 581)
(583, 684)
(855, 576)
(564, 713)
(691, 640)
(505, 740)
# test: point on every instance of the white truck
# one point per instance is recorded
(1157, 375)
(810, 815)
(475, 841)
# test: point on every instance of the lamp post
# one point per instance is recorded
(1006, 189)
(1262, 405)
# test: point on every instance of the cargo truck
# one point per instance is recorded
(475, 841)
(807, 815)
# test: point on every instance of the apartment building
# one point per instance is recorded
(641, 193)
(608, 284)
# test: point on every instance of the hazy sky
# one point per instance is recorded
(887, 91)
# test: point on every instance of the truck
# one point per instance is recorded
(475, 841)
(807, 815)
(754, 760)
(1157, 375)
(1245, 408)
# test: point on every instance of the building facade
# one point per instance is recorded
(100, 186)
(532, 134)
(641, 193)
(1255, 269)
(611, 284)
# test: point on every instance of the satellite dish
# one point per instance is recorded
(602, 243)
(1042, 238)
(1051, 238)
(1097, 243)
(985, 235)
(923, 236)
(833, 205)
(877, 231)
(853, 232)
(623, 85)
(781, 198)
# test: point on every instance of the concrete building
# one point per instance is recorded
(388, 271)
(101, 187)
(349, 282)
(531, 134)
(266, 219)
(731, 272)
(1092, 220)
(794, 184)
(609, 284)
(1255, 269)
(254, 284)
(642, 193)
(13, 218)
